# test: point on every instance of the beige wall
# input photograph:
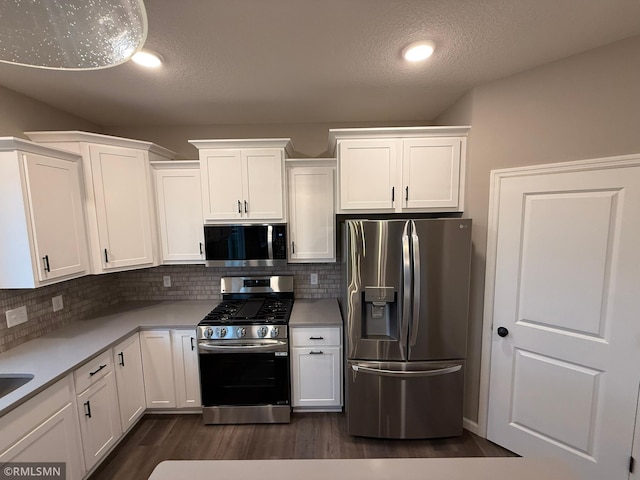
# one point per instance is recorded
(19, 113)
(309, 139)
(586, 106)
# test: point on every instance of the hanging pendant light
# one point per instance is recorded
(71, 34)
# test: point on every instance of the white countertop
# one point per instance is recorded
(366, 469)
(315, 312)
(51, 357)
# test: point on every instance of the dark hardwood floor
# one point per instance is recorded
(310, 435)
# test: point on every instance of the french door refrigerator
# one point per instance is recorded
(405, 305)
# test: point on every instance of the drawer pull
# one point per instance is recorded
(316, 353)
(121, 355)
(316, 338)
(87, 413)
(91, 374)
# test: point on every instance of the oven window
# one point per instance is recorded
(236, 242)
(244, 379)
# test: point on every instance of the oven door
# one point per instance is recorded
(244, 373)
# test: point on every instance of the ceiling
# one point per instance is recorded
(291, 61)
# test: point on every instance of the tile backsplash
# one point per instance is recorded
(86, 296)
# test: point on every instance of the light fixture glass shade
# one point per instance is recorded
(71, 34)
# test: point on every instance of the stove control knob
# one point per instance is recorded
(262, 332)
(221, 332)
(241, 331)
(208, 332)
(274, 332)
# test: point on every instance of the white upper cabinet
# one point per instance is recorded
(242, 180)
(179, 203)
(119, 196)
(367, 174)
(42, 221)
(401, 169)
(311, 210)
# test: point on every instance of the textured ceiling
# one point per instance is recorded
(288, 61)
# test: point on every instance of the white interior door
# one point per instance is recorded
(564, 380)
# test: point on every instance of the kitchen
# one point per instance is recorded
(570, 109)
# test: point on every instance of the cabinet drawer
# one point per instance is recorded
(92, 371)
(312, 336)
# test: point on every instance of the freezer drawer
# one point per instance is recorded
(404, 399)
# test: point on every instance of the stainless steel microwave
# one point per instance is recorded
(262, 245)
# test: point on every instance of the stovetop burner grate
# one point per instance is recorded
(252, 310)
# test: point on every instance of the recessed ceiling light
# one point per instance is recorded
(147, 58)
(418, 51)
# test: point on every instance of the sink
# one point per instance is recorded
(10, 381)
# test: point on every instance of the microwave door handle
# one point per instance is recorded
(270, 241)
(415, 320)
(406, 285)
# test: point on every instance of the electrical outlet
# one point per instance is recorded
(314, 279)
(166, 281)
(57, 303)
(16, 316)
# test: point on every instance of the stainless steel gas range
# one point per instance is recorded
(243, 350)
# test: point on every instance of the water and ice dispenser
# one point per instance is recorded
(380, 316)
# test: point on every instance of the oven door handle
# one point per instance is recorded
(277, 346)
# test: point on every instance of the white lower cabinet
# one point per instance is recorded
(127, 361)
(185, 361)
(98, 410)
(157, 362)
(44, 429)
(316, 368)
(170, 365)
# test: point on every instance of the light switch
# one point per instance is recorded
(314, 279)
(16, 316)
(166, 281)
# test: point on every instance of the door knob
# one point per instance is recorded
(503, 332)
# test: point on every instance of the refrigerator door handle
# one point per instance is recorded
(406, 284)
(415, 314)
(406, 373)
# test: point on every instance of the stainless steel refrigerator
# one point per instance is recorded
(405, 305)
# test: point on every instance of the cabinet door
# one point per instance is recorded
(44, 429)
(157, 363)
(122, 206)
(99, 419)
(185, 360)
(430, 173)
(311, 214)
(222, 196)
(317, 377)
(368, 174)
(57, 216)
(262, 173)
(127, 361)
(180, 215)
